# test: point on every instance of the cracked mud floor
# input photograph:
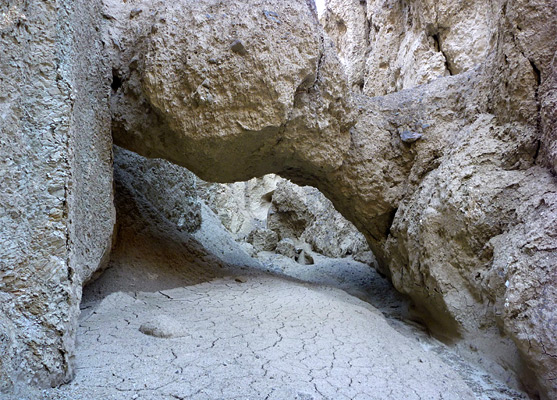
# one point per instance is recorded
(172, 319)
(263, 338)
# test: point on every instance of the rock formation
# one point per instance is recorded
(56, 206)
(228, 114)
(240, 206)
(472, 210)
(302, 215)
(439, 147)
(166, 187)
(439, 177)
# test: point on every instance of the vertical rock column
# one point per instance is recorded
(56, 209)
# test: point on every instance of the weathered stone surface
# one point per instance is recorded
(241, 206)
(548, 98)
(287, 248)
(169, 188)
(263, 239)
(433, 209)
(300, 214)
(306, 216)
(389, 45)
(463, 217)
(186, 96)
(56, 212)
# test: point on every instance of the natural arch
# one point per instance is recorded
(197, 88)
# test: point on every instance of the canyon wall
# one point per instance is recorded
(56, 208)
(437, 148)
(466, 224)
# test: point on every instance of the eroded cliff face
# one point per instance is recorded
(444, 172)
(56, 211)
(465, 216)
(388, 45)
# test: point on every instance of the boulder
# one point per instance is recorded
(442, 157)
(186, 91)
(263, 239)
(287, 248)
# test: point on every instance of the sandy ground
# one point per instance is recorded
(174, 319)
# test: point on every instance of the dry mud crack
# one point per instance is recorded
(265, 338)
(259, 337)
(180, 316)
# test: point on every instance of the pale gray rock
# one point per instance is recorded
(263, 239)
(304, 258)
(56, 209)
(287, 248)
(305, 215)
(240, 206)
(163, 326)
(167, 187)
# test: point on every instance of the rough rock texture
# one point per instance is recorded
(56, 212)
(241, 206)
(287, 248)
(263, 239)
(301, 214)
(184, 92)
(306, 216)
(168, 188)
(442, 213)
(463, 220)
(390, 45)
(450, 181)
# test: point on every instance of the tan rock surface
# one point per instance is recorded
(221, 95)
(431, 210)
(471, 212)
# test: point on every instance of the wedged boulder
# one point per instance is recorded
(230, 90)
(440, 178)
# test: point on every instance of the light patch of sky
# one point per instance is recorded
(320, 6)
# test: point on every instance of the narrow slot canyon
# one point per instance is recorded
(303, 199)
(208, 311)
